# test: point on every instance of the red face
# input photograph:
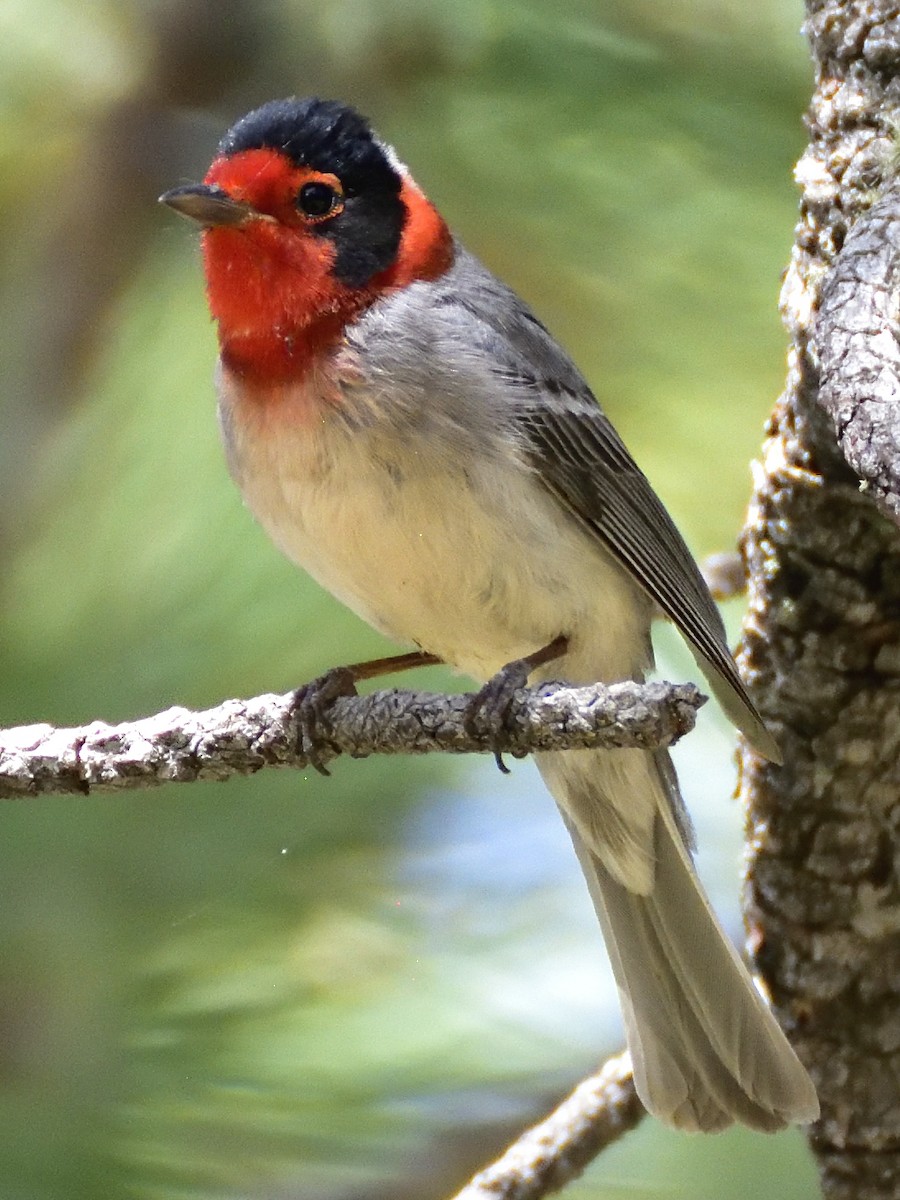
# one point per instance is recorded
(281, 282)
(270, 277)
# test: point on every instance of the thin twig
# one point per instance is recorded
(550, 1155)
(725, 574)
(241, 737)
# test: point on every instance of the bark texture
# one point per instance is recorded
(821, 644)
(240, 737)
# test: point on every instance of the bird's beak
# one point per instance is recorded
(209, 206)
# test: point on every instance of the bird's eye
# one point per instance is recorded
(318, 200)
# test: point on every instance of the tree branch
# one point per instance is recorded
(550, 1155)
(241, 737)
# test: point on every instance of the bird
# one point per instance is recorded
(405, 429)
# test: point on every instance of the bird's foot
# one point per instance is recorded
(490, 708)
(311, 703)
(312, 700)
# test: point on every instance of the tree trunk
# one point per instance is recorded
(821, 643)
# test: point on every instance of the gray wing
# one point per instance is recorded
(583, 461)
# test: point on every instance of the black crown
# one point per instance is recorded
(322, 134)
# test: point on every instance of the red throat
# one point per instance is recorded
(270, 283)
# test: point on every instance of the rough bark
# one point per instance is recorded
(240, 737)
(821, 643)
(859, 354)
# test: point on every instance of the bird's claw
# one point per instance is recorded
(311, 703)
(490, 707)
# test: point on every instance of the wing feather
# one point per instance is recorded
(581, 459)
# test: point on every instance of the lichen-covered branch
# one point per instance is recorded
(550, 1155)
(240, 737)
(821, 643)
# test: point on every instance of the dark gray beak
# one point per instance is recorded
(209, 205)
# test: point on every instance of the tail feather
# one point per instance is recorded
(705, 1048)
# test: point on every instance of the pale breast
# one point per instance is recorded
(465, 558)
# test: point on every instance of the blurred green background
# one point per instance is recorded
(356, 987)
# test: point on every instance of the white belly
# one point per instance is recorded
(475, 564)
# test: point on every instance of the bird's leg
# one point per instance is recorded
(490, 707)
(311, 700)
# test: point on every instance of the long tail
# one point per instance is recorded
(706, 1050)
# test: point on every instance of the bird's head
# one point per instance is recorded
(307, 220)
